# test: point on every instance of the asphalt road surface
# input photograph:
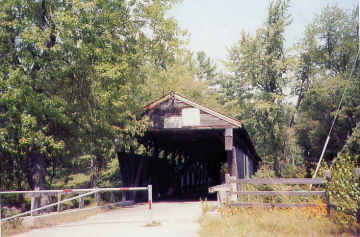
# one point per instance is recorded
(177, 219)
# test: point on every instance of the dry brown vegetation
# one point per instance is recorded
(251, 222)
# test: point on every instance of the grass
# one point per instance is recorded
(205, 206)
(17, 226)
(251, 222)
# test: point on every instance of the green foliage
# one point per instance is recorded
(255, 84)
(344, 190)
(182, 76)
(206, 68)
(72, 80)
(14, 223)
(327, 53)
(344, 187)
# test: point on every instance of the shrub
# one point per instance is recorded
(344, 190)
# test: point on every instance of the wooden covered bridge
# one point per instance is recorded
(190, 147)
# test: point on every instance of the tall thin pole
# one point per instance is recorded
(0, 218)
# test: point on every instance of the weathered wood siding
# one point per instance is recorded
(245, 165)
(208, 120)
(251, 167)
(240, 156)
(168, 110)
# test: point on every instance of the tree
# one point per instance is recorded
(257, 77)
(182, 76)
(72, 78)
(327, 56)
(207, 70)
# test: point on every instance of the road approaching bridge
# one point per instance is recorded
(177, 219)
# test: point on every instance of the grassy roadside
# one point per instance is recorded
(17, 226)
(251, 222)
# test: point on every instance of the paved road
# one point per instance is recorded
(178, 219)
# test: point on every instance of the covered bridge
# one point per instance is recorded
(191, 148)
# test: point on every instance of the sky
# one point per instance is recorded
(215, 25)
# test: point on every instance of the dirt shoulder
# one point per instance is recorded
(178, 219)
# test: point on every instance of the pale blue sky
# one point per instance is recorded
(215, 25)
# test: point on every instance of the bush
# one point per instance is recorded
(344, 190)
(8, 212)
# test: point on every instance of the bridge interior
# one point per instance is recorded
(194, 158)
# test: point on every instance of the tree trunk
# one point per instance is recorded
(38, 172)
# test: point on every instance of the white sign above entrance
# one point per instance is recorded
(190, 117)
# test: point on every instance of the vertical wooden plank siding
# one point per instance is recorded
(228, 139)
(234, 169)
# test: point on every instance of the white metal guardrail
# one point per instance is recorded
(67, 191)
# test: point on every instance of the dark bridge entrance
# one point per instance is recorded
(194, 156)
(190, 148)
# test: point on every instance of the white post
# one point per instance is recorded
(59, 205)
(150, 202)
(32, 206)
(97, 197)
(81, 203)
(150, 196)
(112, 197)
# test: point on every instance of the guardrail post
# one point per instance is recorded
(59, 204)
(150, 196)
(97, 197)
(227, 194)
(81, 202)
(328, 203)
(112, 197)
(150, 202)
(35, 201)
(32, 207)
(123, 196)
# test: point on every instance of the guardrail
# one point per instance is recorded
(83, 193)
(228, 193)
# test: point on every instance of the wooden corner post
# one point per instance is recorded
(231, 194)
(58, 201)
(328, 203)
